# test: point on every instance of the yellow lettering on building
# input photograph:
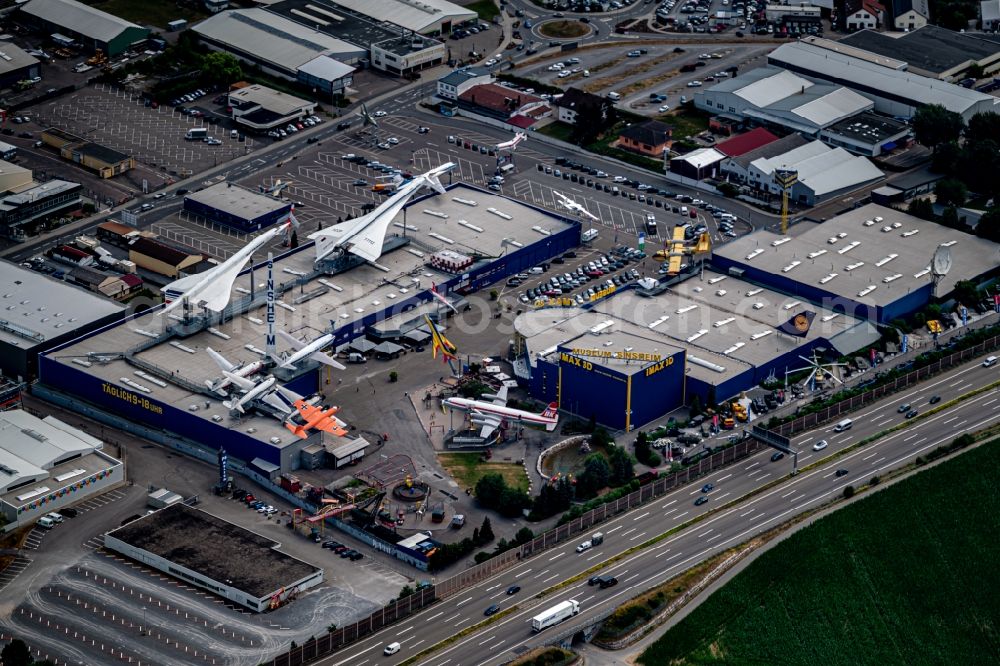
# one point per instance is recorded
(573, 360)
(665, 363)
(607, 291)
(623, 355)
(131, 398)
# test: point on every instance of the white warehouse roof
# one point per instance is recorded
(768, 90)
(416, 15)
(821, 168)
(80, 18)
(702, 157)
(273, 38)
(874, 80)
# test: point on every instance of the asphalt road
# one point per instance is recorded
(728, 527)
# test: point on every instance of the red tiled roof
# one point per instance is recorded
(494, 97)
(524, 122)
(132, 280)
(744, 143)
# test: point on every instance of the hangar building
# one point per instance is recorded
(46, 465)
(228, 560)
(634, 356)
(499, 236)
(90, 26)
(16, 65)
(39, 313)
(237, 207)
(871, 262)
(427, 17)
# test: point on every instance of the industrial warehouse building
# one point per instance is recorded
(40, 312)
(636, 356)
(105, 162)
(259, 108)
(156, 257)
(872, 262)
(282, 47)
(427, 17)
(24, 201)
(203, 550)
(895, 92)
(488, 238)
(46, 465)
(16, 65)
(932, 51)
(237, 207)
(89, 26)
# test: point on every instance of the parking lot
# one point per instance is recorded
(121, 120)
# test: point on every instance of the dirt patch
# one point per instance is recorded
(468, 468)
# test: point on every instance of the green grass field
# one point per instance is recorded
(468, 468)
(908, 576)
(487, 9)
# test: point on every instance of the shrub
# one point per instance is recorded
(849, 492)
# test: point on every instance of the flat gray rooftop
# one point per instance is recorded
(336, 301)
(215, 548)
(238, 201)
(727, 322)
(35, 307)
(71, 472)
(866, 256)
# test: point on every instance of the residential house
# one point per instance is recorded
(910, 14)
(574, 100)
(863, 14)
(652, 138)
(454, 83)
(490, 99)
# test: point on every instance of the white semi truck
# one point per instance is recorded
(555, 615)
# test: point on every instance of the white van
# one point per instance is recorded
(614, 97)
(843, 425)
(990, 361)
(46, 522)
(588, 235)
(54, 517)
(391, 648)
(537, 270)
(507, 168)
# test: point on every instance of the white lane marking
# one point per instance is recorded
(556, 556)
(752, 466)
(668, 504)
(990, 402)
(403, 631)
(681, 515)
(527, 570)
(615, 528)
(550, 578)
(954, 418)
(713, 538)
(541, 573)
(718, 497)
(911, 436)
(705, 532)
(747, 513)
(464, 601)
(723, 478)
(790, 492)
(640, 534)
(627, 532)
(640, 516)
(872, 455)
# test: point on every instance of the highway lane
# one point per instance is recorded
(722, 530)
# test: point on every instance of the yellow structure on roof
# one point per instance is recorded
(678, 248)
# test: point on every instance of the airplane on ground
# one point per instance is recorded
(212, 289)
(512, 144)
(436, 294)
(364, 236)
(276, 188)
(490, 415)
(367, 116)
(316, 418)
(308, 350)
(573, 206)
(254, 391)
(219, 386)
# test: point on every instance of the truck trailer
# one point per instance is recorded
(555, 615)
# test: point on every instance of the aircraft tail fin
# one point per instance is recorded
(551, 411)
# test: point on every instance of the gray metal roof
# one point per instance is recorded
(238, 201)
(872, 254)
(326, 68)
(13, 57)
(35, 307)
(273, 38)
(30, 446)
(79, 18)
(917, 90)
(929, 48)
(416, 15)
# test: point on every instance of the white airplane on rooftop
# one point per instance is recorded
(308, 350)
(244, 370)
(364, 236)
(253, 391)
(211, 289)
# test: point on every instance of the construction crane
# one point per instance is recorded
(678, 248)
(785, 178)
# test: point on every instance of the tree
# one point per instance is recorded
(621, 466)
(695, 405)
(600, 438)
(989, 225)
(946, 158)
(405, 592)
(979, 165)
(486, 531)
(512, 502)
(933, 125)
(524, 535)
(921, 208)
(591, 120)
(595, 475)
(983, 127)
(16, 653)
(951, 192)
(966, 292)
(643, 450)
(489, 488)
(949, 218)
(221, 68)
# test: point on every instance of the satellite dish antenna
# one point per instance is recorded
(940, 264)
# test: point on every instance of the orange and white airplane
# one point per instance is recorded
(316, 418)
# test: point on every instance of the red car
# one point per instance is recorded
(595, 273)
